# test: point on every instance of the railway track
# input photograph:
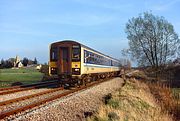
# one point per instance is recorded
(13, 111)
(28, 96)
(26, 87)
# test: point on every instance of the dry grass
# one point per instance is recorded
(133, 102)
(139, 75)
(168, 101)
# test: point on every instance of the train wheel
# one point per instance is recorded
(84, 81)
(89, 79)
(102, 76)
(94, 78)
(79, 82)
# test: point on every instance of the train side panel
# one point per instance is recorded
(87, 68)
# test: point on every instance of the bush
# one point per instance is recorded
(113, 103)
(107, 98)
(113, 116)
(45, 69)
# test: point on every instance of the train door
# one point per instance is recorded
(65, 67)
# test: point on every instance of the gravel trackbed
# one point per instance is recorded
(71, 107)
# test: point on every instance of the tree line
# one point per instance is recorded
(9, 63)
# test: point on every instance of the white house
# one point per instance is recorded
(19, 64)
(38, 67)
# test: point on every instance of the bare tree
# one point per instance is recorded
(152, 40)
(179, 52)
(126, 63)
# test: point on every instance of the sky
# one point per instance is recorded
(28, 27)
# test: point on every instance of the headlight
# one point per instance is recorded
(76, 69)
(53, 70)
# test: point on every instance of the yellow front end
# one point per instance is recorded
(76, 68)
(52, 68)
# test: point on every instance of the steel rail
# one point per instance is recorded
(40, 102)
(26, 85)
(26, 88)
(29, 96)
(8, 88)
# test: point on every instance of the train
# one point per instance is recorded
(76, 64)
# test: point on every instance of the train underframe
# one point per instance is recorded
(66, 80)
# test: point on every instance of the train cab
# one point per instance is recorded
(65, 59)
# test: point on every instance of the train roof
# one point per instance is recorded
(72, 41)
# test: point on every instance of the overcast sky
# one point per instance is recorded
(27, 27)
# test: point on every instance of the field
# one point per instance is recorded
(23, 75)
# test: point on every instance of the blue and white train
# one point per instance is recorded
(76, 63)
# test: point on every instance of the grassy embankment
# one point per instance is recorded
(23, 75)
(139, 101)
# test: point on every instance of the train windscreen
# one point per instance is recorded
(76, 53)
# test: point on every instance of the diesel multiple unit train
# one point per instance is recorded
(75, 63)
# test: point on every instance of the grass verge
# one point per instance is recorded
(133, 102)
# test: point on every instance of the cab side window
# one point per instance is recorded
(54, 54)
